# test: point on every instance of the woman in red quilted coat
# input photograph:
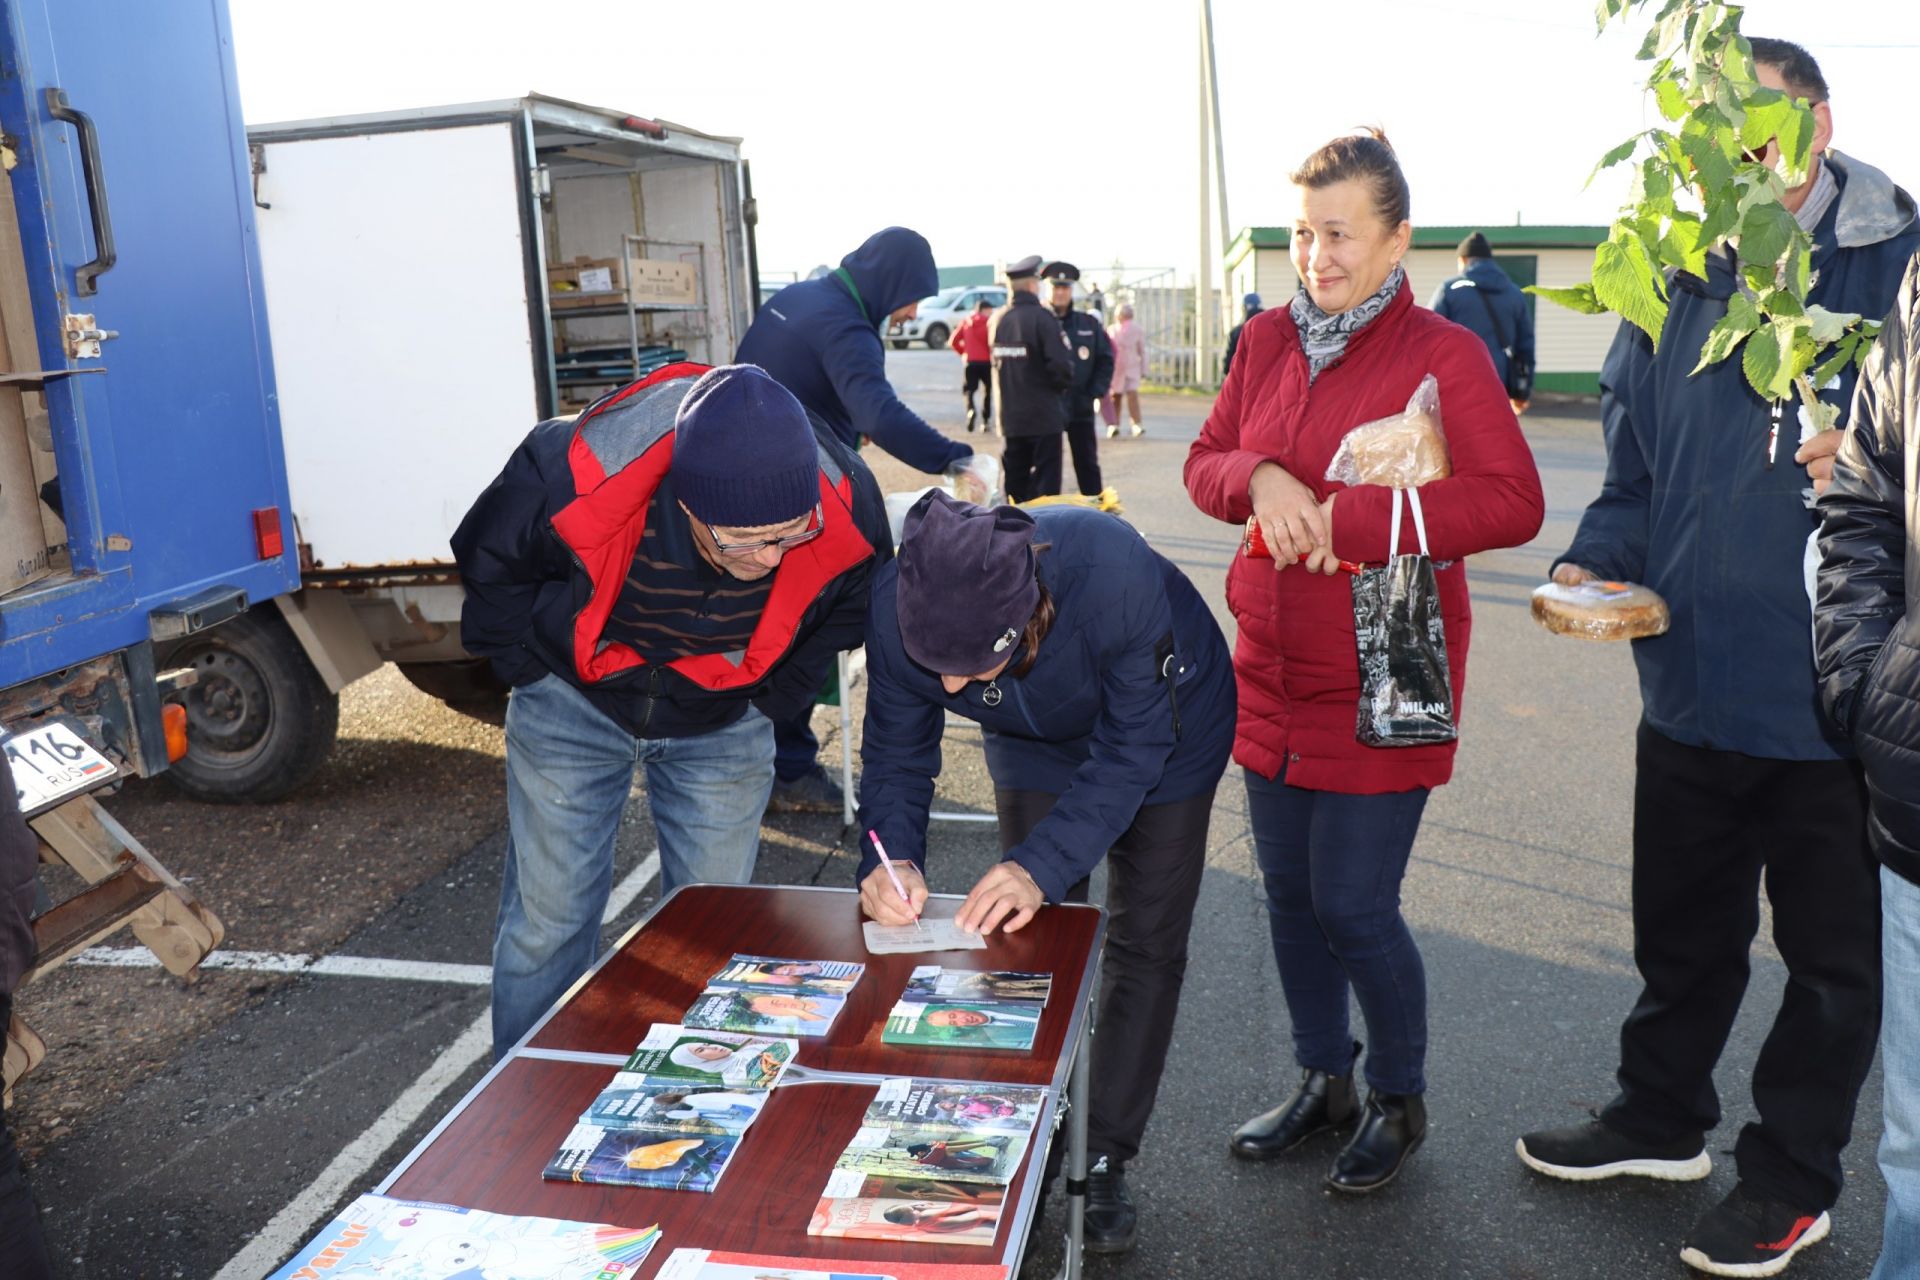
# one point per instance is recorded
(1334, 820)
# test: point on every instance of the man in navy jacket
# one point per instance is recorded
(1706, 500)
(658, 579)
(820, 339)
(1484, 300)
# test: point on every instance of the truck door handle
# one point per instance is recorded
(84, 275)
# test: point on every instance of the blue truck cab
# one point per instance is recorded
(130, 259)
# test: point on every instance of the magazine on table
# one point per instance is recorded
(996, 986)
(716, 1264)
(821, 977)
(376, 1235)
(963, 1024)
(1009, 1108)
(641, 1158)
(925, 1210)
(934, 1150)
(765, 1012)
(716, 1059)
(632, 1102)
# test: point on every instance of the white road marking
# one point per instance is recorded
(136, 957)
(293, 1224)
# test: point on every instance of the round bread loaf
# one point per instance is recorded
(1404, 452)
(1597, 610)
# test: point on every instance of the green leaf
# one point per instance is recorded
(1673, 103)
(1779, 302)
(1830, 369)
(1796, 142)
(1765, 234)
(1579, 297)
(1625, 282)
(1768, 359)
(1614, 157)
(1741, 319)
(1768, 111)
(1656, 186)
(1736, 61)
(1682, 246)
(1828, 326)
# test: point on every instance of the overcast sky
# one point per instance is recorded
(1004, 127)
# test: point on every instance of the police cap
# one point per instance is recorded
(1061, 272)
(1026, 268)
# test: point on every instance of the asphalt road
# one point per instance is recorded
(250, 1126)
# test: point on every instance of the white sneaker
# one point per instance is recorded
(1113, 433)
(1138, 431)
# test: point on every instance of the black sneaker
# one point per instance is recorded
(1749, 1235)
(811, 792)
(1591, 1151)
(1111, 1217)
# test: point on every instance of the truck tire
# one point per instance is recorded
(260, 720)
(936, 337)
(469, 687)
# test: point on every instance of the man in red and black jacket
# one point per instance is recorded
(659, 579)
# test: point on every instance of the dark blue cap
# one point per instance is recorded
(967, 584)
(744, 454)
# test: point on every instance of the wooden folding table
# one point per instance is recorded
(488, 1152)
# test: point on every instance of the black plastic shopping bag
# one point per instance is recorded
(1406, 692)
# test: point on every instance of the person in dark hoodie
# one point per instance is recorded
(1251, 307)
(1106, 693)
(1484, 300)
(657, 579)
(23, 1246)
(1737, 779)
(820, 339)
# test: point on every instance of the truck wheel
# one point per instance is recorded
(260, 720)
(936, 337)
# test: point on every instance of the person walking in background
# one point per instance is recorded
(1333, 819)
(1737, 779)
(1092, 375)
(970, 341)
(1097, 303)
(1251, 307)
(1866, 643)
(1483, 299)
(1031, 367)
(1129, 363)
(820, 339)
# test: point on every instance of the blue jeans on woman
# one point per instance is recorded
(1333, 865)
(1900, 1077)
(569, 770)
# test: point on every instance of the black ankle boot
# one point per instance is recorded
(1111, 1217)
(1392, 1128)
(1322, 1104)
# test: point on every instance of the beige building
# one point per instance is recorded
(1568, 347)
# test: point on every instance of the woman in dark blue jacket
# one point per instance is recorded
(1105, 691)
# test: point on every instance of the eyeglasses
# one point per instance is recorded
(815, 526)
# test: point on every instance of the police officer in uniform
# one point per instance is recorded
(1092, 374)
(1032, 366)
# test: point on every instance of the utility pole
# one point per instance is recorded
(1212, 155)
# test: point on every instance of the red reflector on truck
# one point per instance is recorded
(266, 533)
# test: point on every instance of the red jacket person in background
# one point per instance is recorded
(976, 348)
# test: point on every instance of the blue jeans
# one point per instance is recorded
(1333, 865)
(569, 770)
(1900, 1072)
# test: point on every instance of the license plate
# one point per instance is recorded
(52, 762)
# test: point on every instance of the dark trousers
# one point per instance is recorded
(979, 375)
(1153, 880)
(23, 1246)
(1083, 437)
(1707, 827)
(796, 749)
(1333, 864)
(1032, 464)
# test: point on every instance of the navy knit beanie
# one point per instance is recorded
(744, 454)
(967, 584)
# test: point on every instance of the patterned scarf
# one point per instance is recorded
(1323, 337)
